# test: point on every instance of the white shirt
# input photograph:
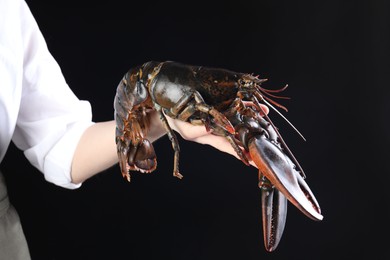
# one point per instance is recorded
(38, 110)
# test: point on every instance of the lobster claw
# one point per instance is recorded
(274, 214)
(277, 167)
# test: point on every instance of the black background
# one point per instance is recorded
(335, 57)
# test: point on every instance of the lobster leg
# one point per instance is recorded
(193, 102)
(175, 144)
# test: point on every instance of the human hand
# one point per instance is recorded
(200, 135)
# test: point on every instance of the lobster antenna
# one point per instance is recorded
(280, 114)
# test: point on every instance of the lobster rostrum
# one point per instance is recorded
(228, 104)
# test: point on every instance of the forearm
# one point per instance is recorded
(96, 150)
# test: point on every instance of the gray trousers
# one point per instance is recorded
(13, 245)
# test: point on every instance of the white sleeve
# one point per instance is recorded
(51, 119)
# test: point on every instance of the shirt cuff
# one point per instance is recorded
(58, 161)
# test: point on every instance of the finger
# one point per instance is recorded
(264, 109)
(220, 143)
(187, 130)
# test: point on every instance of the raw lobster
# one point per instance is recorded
(228, 104)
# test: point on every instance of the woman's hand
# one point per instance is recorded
(199, 134)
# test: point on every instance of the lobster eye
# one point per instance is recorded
(245, 82)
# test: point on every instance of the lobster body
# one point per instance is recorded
(228, 104)
(174, 80)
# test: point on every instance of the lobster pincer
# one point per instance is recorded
(281, 172)
(279, 181)
(279, 178)
(228, 104)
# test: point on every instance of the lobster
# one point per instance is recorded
(228, 104)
